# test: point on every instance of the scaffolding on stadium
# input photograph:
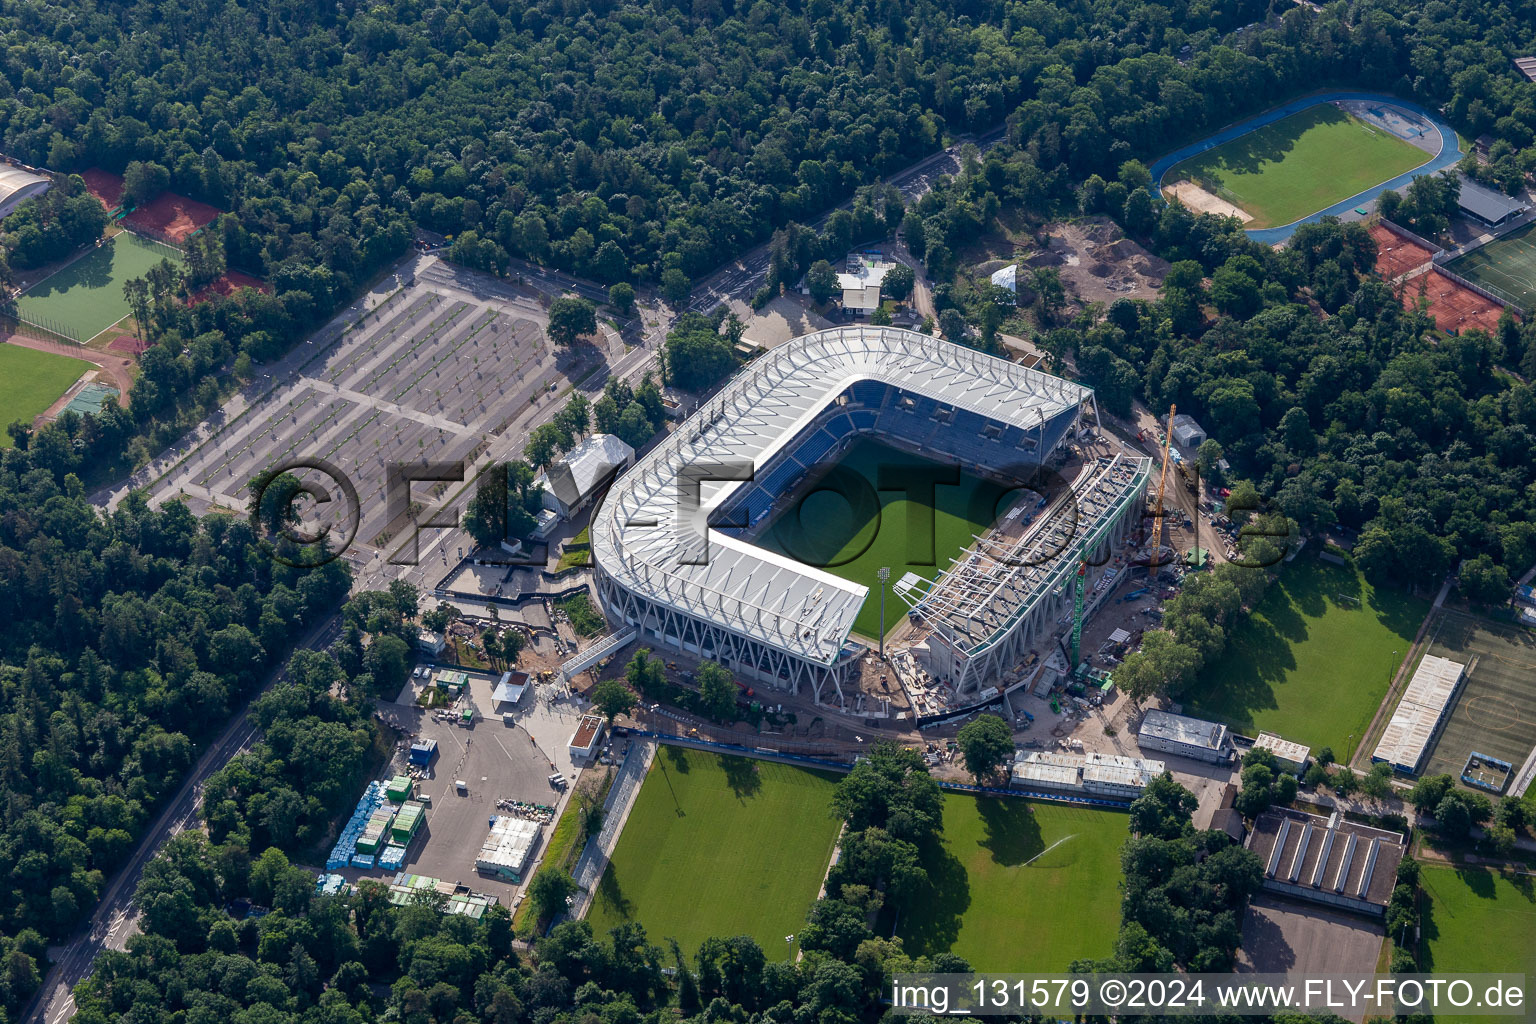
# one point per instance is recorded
(1002, 595)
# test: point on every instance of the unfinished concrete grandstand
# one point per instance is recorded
(1006, 593)
(671, 545)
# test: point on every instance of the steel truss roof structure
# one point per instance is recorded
(651, 537)
(977, 606)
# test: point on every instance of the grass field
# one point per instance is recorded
(826, 530)
(86, 297)
(720, 846)
(1306, 664)
(1477, 920)
(1300, 164)
(1021, 886)
(1495, 712)
(32, 381)
(1506, 266)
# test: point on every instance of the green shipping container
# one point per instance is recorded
(398, 789)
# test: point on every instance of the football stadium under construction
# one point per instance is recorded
(672, 549)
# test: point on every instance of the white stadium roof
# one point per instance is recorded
(649, 543)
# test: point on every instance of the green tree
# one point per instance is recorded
(717, 693)
(613, 698)
(821, 279)
(570, 318)
(898, 282)
(986, 743)
(621, 297)
(548, 892)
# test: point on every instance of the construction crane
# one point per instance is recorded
(1162, 484)
(1077, 613)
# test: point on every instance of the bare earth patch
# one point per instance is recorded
(1097, 263)
(1201, 201)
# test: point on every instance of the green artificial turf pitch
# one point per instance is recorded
(1505, 266)
(1308, 663)
(1477, 920)
(848, 539)
(1300, 164)
(86, 297)
(720, 846)
(30, 382)
(1020, 885)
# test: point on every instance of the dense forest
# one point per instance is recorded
(130, 639)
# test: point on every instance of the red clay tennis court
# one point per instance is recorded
(171, 218)
(127, 343)
(105, 186)
(1454, 308)
(1395, 254)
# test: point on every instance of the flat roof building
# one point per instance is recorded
(1526, 66)
(586, 469)
(1291, 755)
(1484, 204)
(17, 185)
(508, 846)
(1188, 737)
(1112, 776)
(1331, 861)
(861, 284)
(1423, 707)
(509, 691)
(588, 734)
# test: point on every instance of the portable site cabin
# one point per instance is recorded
(422, 752)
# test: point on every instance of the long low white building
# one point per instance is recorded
(1113, 776)
(1424, 706)
(1195, 738)
(507, 847)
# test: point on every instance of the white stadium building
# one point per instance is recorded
(673, 570)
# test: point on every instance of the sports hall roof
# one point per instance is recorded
(647, 539)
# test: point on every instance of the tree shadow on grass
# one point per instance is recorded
(677, 758)
(1479, 881)
(1012, 831)
(1242, 682)
(1271, 143)
(741, 775)
(932, 923)
(612, 895)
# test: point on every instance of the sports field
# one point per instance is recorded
(853, 540)
(86, 297)
(1021, 886)
(1477, 920)
(1300, 164)
(1313, 660)
(720, 846)
(1505, 266)
(30, 382)
(1495, 712)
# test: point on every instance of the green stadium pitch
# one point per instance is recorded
(86, 297)
(1505, 266)
(1476, 918)
(1495, 710)
(1020, 885)
(718, 845)
(1298, 165)
(854, 539)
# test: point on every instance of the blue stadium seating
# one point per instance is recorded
(814, 447)
(863, 419)
(868, 392)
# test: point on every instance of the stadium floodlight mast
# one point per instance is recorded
(883, 574)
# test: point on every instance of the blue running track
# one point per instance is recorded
(1448, 155)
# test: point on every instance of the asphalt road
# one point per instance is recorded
(113, 923)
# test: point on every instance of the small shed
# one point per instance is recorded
(587, 737)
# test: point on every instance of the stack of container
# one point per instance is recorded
(392, 857)
(406, 823)
(362, 860)
(376, 831)
(346, 844)
(398, 789)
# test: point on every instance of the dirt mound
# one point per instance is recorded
(1098, 269)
